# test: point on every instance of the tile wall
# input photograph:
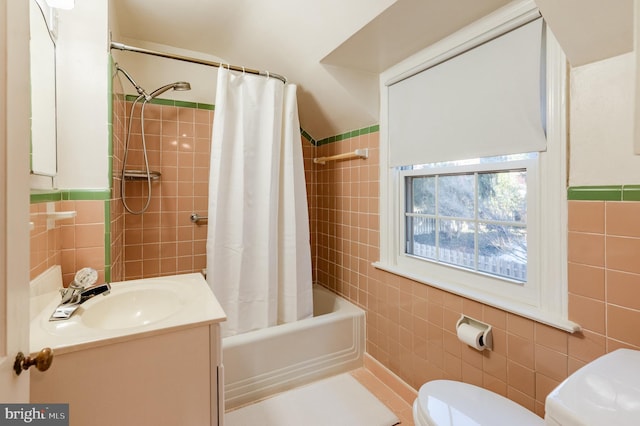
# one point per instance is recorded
(163, 240)
(73, 243)
(411, 326)
(116, 209)
(45, 244)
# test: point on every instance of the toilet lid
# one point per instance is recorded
(604, 392)
(450, 403)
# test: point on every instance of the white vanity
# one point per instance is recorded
(148, 353)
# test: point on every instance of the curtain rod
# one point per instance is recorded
(124, 47)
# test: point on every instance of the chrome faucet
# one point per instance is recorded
(81, 289)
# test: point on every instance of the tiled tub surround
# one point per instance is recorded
(411, 326)
(163, 240)
(116, 209)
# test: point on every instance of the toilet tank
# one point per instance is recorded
(603, 392)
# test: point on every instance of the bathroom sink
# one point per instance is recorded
(132, 308)
(129, 308)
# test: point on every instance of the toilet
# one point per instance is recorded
(603, 392)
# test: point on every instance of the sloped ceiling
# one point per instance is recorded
(405, 28)
(590, 30)
(334, 49)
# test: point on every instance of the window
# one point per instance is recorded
(470, 215)
(473, 197)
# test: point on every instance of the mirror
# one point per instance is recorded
(43, 90)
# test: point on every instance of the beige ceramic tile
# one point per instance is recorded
(623, 289)
(551, 337)
(471, 374)
(586, 216)
(520, 350)
(89, 236)
(520, 326)
(589, 313)
(497, 318)
(551, 363)
(521, 378)
(587, 281)
(622, 218)
(89, 212)
(495, 365)
(586, 345)
(544, 386)
(622, 254)
(90, 257)
(586, 249)
(623, 324)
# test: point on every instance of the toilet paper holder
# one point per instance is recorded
(474, 333)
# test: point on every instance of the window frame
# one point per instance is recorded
(549, 301)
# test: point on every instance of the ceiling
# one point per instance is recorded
(335, 49)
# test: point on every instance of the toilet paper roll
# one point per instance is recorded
(471, 336)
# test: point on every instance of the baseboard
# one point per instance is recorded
(389, 378)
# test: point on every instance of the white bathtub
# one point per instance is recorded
(263, 362)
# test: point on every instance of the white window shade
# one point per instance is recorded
(484, 102)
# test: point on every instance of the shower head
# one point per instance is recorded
(179, 86)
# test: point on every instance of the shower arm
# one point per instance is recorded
(139, 89)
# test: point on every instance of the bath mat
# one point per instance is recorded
(336, 401)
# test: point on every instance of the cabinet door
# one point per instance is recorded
(217, 380)
(163, 379)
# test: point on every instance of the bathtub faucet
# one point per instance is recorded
(79, 291)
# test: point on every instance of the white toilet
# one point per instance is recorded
(603, 392)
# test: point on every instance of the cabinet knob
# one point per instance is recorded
(42, 361)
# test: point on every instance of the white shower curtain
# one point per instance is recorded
(258, 251)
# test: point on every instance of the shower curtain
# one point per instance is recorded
(258, 250)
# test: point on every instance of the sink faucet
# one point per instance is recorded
(79, 291)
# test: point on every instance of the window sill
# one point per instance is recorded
(513, 307)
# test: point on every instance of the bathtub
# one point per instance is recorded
(261, 363)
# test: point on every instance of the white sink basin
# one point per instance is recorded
(131, 308)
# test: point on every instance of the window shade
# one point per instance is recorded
(485, 102)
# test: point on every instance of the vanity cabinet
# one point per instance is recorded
(168, 377)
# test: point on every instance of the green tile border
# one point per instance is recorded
(631, 193)
(304, 133)
(185, 104)
(308, 137)
(595, 193)
(347, 135)
(604, 193)
(110, 119)
(87, 194)
(70, 194)
(107, 240)
(171, 102)
(38, 196)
